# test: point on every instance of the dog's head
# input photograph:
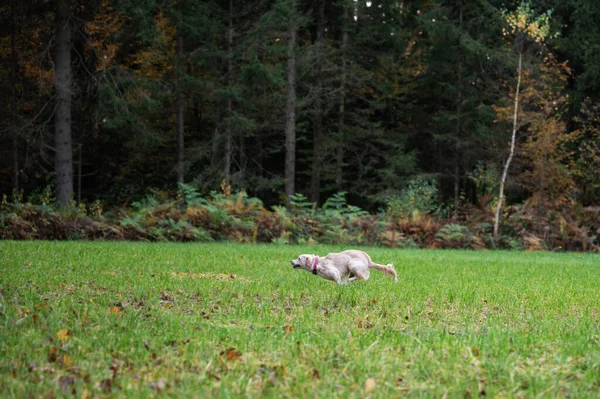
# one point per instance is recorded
(304, 261)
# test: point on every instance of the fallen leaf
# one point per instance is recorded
(66, 361)
(35, 319)
(105, 385)
(288, 328)
(373, 300)
(65, 382)
(165, 296)
(315, 374)
(52, 355)
(63, 335)
(370, 385)
(231, 354)
(475, 352)
(114, 309)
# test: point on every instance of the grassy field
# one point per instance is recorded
(224, 320)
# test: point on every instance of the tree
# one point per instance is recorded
(180, 99)
(64, 87)
(290, 108)
(523, 26)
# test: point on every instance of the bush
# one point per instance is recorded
(411, 220)
(420, 197)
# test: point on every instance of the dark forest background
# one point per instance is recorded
(403, 106)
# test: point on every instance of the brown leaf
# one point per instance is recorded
(475, 352)
(231, 354)
(35, 319)
(114, 309)
(65, 382)
(370, 385)
(315, 374)
(288, 328)
(165, 296)
(373, 300)
(185, 341)
(52, 355)
(106, 385)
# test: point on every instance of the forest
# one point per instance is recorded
(449, 123)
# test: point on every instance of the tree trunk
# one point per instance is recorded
(62, 117)
(290, 113)
(317, 160)
(180, 106)
(459, 101)
(339, 168)
(511, 154)
(15, 79)
(79, 169)
(228, 134)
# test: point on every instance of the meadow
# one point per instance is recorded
(125, 319)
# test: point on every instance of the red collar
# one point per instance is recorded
(315, 263)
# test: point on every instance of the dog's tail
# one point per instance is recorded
(389, 269)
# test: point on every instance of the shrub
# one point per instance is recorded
(420, 197)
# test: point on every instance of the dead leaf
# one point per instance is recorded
(288, 328)
(66, 361)
(63, 335)
(114, 309)
(65, 382)
(475, 352)
(373, 300)
(105, 385)
(370, 385)
(231, 354)
(35, 319)
(52, 355)
(315, 374)
(165, 296)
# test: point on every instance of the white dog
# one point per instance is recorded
(352, 263)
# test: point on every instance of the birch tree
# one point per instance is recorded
(523, 26)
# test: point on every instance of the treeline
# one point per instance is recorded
(494, 103)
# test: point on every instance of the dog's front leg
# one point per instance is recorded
(332, 274)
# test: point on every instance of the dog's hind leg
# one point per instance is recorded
(359, 270)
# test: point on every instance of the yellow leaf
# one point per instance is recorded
(67, 362)
(63, 335)
(370, 385)
(114, 309)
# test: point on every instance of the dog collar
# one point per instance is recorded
(315, 263)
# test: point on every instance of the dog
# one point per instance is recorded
(335, 266)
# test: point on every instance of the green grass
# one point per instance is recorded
(224, 320)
